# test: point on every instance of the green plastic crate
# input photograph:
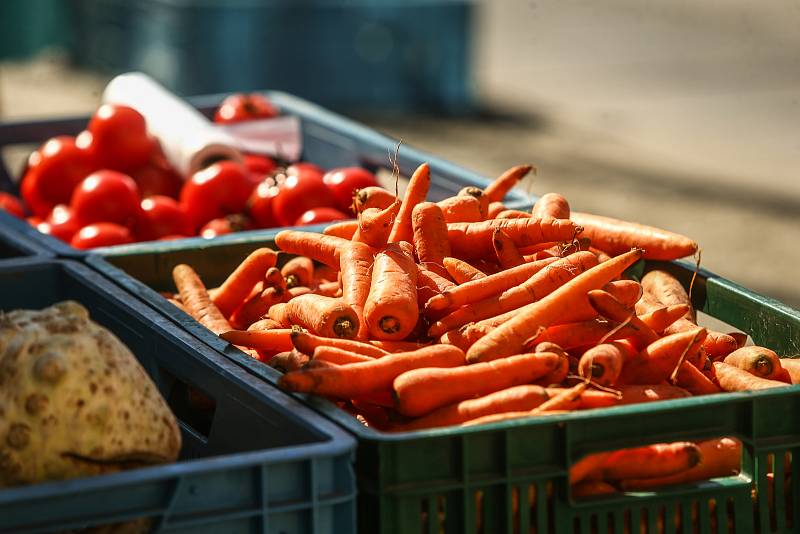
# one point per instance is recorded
(468, 479)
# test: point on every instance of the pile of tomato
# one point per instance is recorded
(111, 184)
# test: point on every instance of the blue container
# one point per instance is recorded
(329, 140)
(352, 54)
(257, 461)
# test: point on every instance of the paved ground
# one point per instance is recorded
(682, 114)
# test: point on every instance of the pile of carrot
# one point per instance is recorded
(460, 312)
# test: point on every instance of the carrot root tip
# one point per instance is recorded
(389, 324)
(344, 328)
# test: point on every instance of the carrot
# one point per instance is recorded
(324, 316)
(375, 224)
(551, 205)
(461, 208)
(274, 278)
(513, 214)
(740, 338)
(264, 324)
(241, 281)
(430, 285)
(610, 308)
(588, 467)
(792, 366)
(354, 380)
(721, 457)
(338, 356)
(562, 400)
(343, 229)
(288, 361)
(430, 237)
(420, 391)
(177, 303)
(658, 460)
(507, 416)
(694, 381)
(325, 273)
(257, 306)
(661, 318)
(656, 362)
(615, 236)
(196, 301)
(482, 288)
(494, 209)
(536, 287)
(277, 340)
(510, 337)
(322, 248)
(307, 343)
(416, 192)
(666, 290)
(559, 374)
(474, 240)
(651, 393)
(461, 271)
(329, 289)
(298, 271)
(602, 364)
(372, 197)
(731, 378)
(579, 334)
(501, 185)
(601, 256)
(296, 292)
(356, 262)
(391, 309)
(397, 346)
(592, 488)
(758, 361)
(517, 398)
(506, 251)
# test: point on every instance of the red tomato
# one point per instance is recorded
(320, 215)
(259, 166)
(161, 216)
(54, 170)
(298, 194)
(224, 225)
(102, 234)
(157, 177)
(218, 190)
(61, 223)
(344, 183)
(119, 138)
(245, 107)
(302, 167)
(12, 205)
(259, 205)
(106, 196)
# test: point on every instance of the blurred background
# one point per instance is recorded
(679, 114)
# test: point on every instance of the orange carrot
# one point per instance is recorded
(661, 318)
(656, 362)
(740, 338)
(298, 271)
(665, 290)
(658, 460)
(563, 400)
(430, 285)
(694, 381)
(589, 399)
(322, 248)
(375, 224)
(307, 343)
(277, 340)
(721, 457)
(288, 361)
(420, 391)
(484, 287)
(461, 271)
(536, 287)
(718, 345)
(296, 292)
(483, 200)
(792, 366)
(274, 278)
(583, 333)
(615, 236)
(430, 237)
(264, 324)
(602, 364)
(256, 307)
(325, 273)
(510, 337)
(517, 398)
(501, 185)
(474, 240)
(343, 229)
(551, 205)
(356, 262)
(592, 488)
(494, 209)
(651, 393)
(280, 314)
(416, 192)
(329, 289)
(601, 256)
(506, 251)
(731, 378)
(513, 214)
(372, 197)
(354, 380)
(610, 308)
(241, 281)
(338, 356)
(397, 346)
(391, 309)
(759, 361)
(588, 467)
(559, 374)
(196, 301)
(324, 316)
(461, 208)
